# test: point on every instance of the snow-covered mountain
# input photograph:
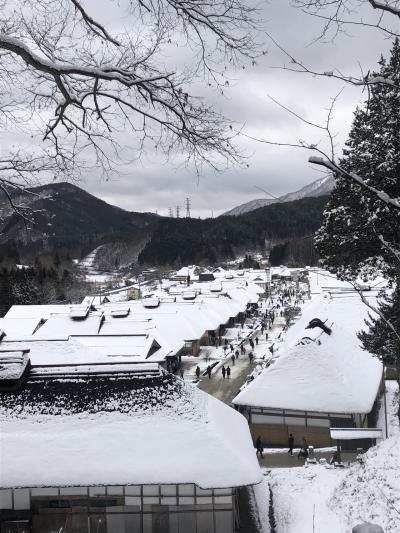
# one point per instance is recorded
(319, 187)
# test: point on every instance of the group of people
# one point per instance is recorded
(226, 371)
(303, 452)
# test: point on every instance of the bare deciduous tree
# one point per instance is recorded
(74, 84)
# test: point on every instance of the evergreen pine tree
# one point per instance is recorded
(360, 232)
(383, 335)
(23, 287)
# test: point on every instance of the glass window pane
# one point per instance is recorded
(44, 492)
(132, 523)
(97, 491)
(168, 500)
(5, 499)
(203, 500)
(186, 490)
(173, 523)
(147, 523)
(150, 490)
(115, 520)
(133, 500)
(115, 491)
(222, 492)
(223, 500)
(133, 490)
(168, 490)
(160, 520)
(73, 491)
(151, 500)
(186, 500)
(187, 522)
(205, 522)
(223, 522)
(22, 499)
(205, 492)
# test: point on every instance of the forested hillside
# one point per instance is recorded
(182, 241)
(67, 220)
(64, 217)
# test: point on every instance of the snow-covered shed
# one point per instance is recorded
(115, 455)
(322, 381)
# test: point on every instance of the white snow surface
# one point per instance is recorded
(371, 491)
(334, 377)
(185, 442)
(341, 498)
(319, 187)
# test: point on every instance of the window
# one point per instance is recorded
(22, 499)
(5, 499)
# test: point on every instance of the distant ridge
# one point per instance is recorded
(320, 187)
(63, 215)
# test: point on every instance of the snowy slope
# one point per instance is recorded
(334, 499)
(320, 187)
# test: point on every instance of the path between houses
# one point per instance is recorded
(226, 389)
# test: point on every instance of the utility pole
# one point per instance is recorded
(177, 211)
(188, 208)
(170, 213)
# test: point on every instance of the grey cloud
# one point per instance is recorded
(154, 184)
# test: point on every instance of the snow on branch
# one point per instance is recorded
(69, 82)
(334, 167)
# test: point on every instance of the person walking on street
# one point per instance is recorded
(228, 371)
(291, 444)
(237, 354)
(209, 371)
(233, 359)
(251, 357)
(303, 449)
(266, 336)
(259, 446)
(231, 347)
(198, 372)
(223, 369)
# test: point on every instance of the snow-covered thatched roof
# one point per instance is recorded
(122, 432)
(331, 375)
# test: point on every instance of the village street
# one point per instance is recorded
(226, 389)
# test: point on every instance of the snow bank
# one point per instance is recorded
(301, 498)
(371, 491)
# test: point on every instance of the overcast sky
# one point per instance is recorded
(156, 185)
